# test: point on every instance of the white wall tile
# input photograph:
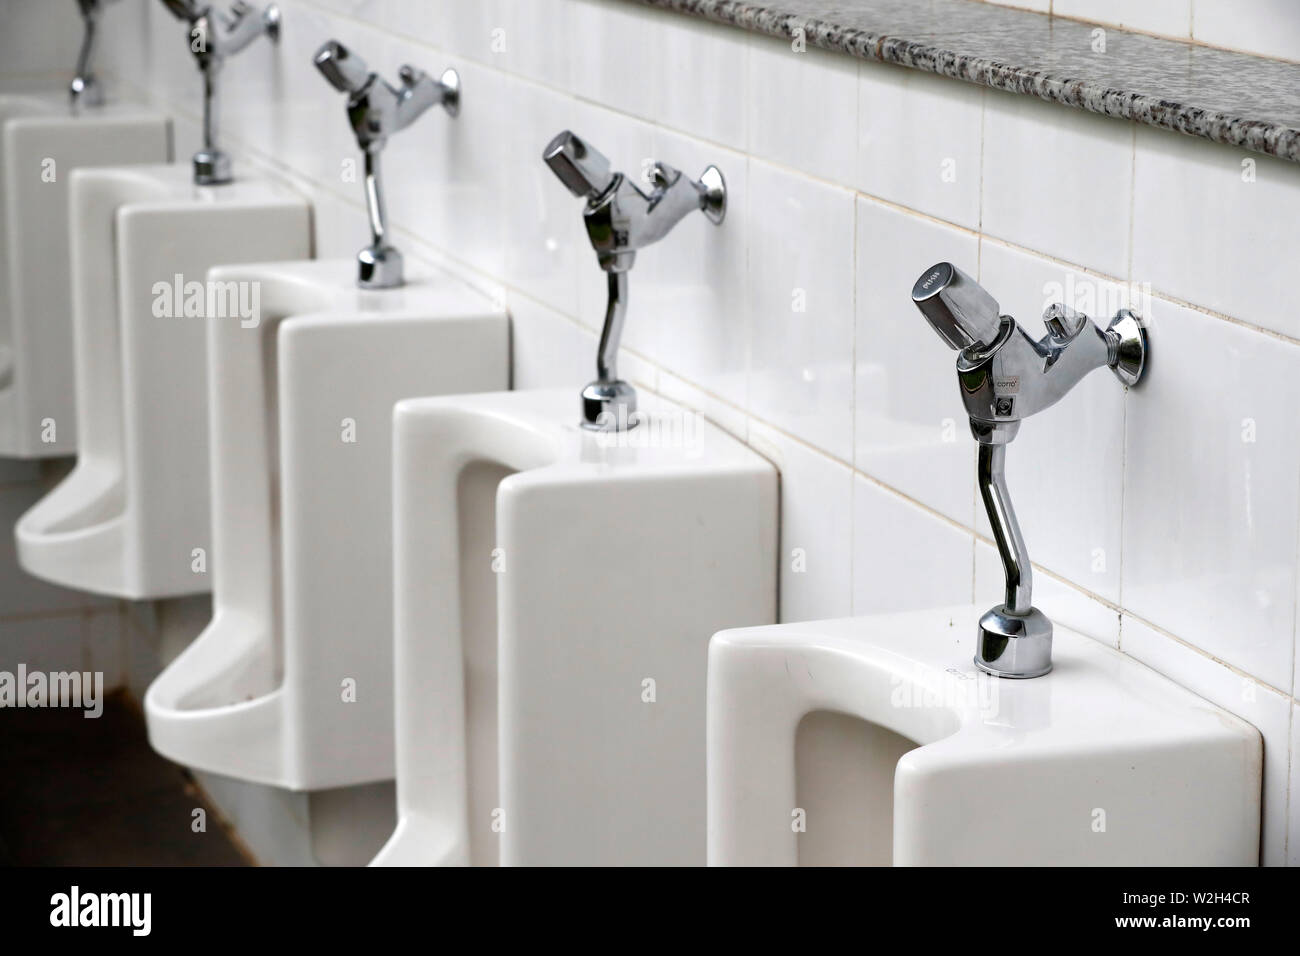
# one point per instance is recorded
(690, 292)
(1065, 467)
(50, 37)
(707, 94)
(801, 281)
(448, 176)
(816, 528)
(171, 76)
(1168, 17)
(123, 45)
(545, 242)
(304, 123)
(548, 349)
(1266, 27)
(478, 31)
(910, 429)
(937, 124)
(1215, 226)
(1058, 181)
(729, 417)
(1211, 485)
(1254, 703)
(528, 37)
(617, 53)
(803, 108)
(905, 558)
(340, 227)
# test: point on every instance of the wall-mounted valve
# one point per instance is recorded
(376, 110)
(214, 37)
(621, 219)
(85, 90)
(1006, 376)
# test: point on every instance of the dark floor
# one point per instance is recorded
(82, 792)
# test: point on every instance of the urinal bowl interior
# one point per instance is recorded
(843, 766)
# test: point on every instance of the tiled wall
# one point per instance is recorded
(1163, 521)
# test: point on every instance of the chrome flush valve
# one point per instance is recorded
(84, 90)
(1005, 376)
(376, 110)
(620, 220)
(213, 38)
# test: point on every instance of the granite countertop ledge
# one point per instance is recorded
(1232, 98)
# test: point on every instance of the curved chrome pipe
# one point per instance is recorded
(213, 38)
(612, 331)
(609, 403)
(992, 479)
(620, 220)
(1005, 377)
(376, 110)
(85, 89)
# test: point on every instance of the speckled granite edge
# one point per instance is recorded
(1158, 82)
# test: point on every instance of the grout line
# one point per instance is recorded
(1232, 668)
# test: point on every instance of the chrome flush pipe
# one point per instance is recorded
(608, 394)
(214, 37)
(1004, 377)
(991, 474)
(376, 110)
(85, 89)
(615, 312)
(620, 220)
(376, 209)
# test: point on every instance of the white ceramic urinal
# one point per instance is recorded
(875, 740)
(41, 142)
(132, 519)
(291, 684)
(565, 579)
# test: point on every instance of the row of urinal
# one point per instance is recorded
(260, 433)
(511, 613)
